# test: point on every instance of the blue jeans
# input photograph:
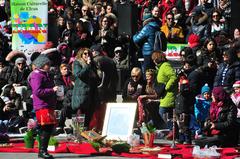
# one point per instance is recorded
(167, 114)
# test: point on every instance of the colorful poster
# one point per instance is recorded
(173, 51)
(29, 25)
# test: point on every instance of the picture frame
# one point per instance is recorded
(119, 120)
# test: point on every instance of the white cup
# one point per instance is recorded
(60, 91)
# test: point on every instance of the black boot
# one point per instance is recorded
(44, 154)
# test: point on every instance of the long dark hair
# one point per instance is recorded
(6, 90)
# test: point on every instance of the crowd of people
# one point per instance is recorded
(93, 64)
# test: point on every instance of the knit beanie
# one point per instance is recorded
(41, 60)
(146, 14)
(97, 48)
(193, 40)
(219, 94)
(205, 89)
(20, 60)
(236, 84)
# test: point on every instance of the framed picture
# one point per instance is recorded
(119, 120)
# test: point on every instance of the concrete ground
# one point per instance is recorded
(56, 156)
(69, 155)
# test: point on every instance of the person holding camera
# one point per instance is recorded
(222, 125)
(209, 53)
(10, 102)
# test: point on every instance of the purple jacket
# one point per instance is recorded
(42, 90)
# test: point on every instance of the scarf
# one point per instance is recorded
(67, 81)
(215, 109)
(141, 113)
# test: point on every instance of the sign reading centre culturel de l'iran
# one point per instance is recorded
(29, 25)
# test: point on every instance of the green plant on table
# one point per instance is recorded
(29, 137)
(53, 141)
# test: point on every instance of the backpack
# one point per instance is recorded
(160, 42)
(159, 88)
(183, 85)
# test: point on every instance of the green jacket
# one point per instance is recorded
(167, 76)
(85, 89)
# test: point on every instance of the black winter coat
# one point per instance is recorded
(227, 125)
(183, 104)
(107, 88)
(19, 77)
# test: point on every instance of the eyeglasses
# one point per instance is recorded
(20, 64)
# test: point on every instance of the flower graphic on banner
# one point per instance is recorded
(29, 28)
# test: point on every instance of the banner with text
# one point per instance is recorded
(29, 25)
(173, 51)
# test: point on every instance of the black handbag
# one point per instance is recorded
(160, 89)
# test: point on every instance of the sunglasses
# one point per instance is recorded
(85, 53)
(20, 63)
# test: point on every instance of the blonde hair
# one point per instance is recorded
(63, 65)
(81, 51)
(150, 72)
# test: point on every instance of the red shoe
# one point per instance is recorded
(169, 136)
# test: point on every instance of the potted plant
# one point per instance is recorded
(152, 131)
(148, 132)
(29, 137)
(52, 144)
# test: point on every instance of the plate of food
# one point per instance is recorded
(6, 145)
(151, 151)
